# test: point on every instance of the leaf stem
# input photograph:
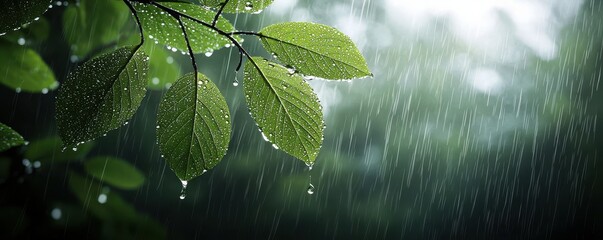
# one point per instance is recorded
(135, 13)
(246, 33)
(219, 12)
(188, 45)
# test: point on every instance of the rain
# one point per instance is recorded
(480, 121)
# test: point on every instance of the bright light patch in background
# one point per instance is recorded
(56, 213)
(486, 80)
(492, 25)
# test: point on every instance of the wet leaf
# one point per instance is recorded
(193, 126)
(99, 200)
(239, 6)
(285, 108)
(22, 69)
(17, 13)
(315, 50)
(101, 95)
(36, 31)
(159, 26)
(163, 70)
(51, 149)
(9, 138)
(93, 23)
(115, 172)
(163, 67)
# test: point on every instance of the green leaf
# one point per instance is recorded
(23, 69)
(36, 31)
(50, 149)
(239, 6)
(163, 67)
(193, 126)
(163, 70)
(315, 50)
(93, 23)
(115, 171)
(99, 200)
(160, 27)
(285, 109)
(9, 138)
(101, 95)
(17, 13)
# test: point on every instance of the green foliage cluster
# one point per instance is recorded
(194, 122)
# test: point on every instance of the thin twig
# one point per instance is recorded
(219, 31)
(240, 60)
(188, 45)
(246, 33)
(219, 13)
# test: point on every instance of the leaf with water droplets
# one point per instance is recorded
(9, 138)
(159, 26)
(315, 50)
(35, 32)
(16, 13)
(115, 172)
(93, 23)
(285, 108)
(163, 67)
(239, 6)
(163, 70)
(24, 70)
(101, 95)
(51, 149)
(193, 126)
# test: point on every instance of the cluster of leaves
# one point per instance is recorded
(95, 182)
(193, 126)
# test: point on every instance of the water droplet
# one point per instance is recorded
(310, 189)
(235, 82)
(208, 54)
(102, 198)
(155, 80)
(56, 213)
(248, 6)
(264, 136)
(74, 149)
(44, 90)
(310, 165)
(274, 146)
(21, 41)
(183, 191)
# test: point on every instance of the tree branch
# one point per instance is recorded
(219, 31)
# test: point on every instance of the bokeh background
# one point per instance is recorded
(481, 122)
